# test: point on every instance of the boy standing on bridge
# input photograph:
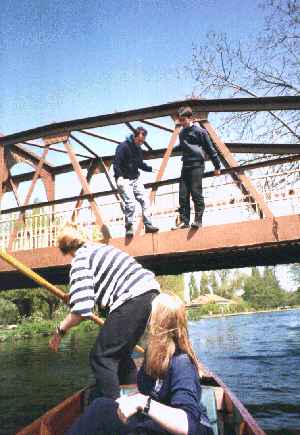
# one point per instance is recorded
(194, 142)
(113, 280)
(128, 161)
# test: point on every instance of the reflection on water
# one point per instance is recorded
(34, 380)
(257, 356)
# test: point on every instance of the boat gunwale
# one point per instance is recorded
(230, 403)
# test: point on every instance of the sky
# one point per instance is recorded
(82, 58)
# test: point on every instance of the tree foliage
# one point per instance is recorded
(28, 301)
(226, 282)
(264, 291)
(193, 289)
(295, 273)
(266, 64)
(173, 283)
(204, 284)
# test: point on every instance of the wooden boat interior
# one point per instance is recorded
(226, 413)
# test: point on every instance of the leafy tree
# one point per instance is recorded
(174, 283)
(253, 290)
(295, 273)
(263, 292)
(213, 282)
(193, 289)
(266, 64)
(278, 295)
(294, 298)
(9, 313)
(224, 286)
(204, 284)
(235, 283)
(29, 301)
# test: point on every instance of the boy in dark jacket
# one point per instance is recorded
(128, 161)
(194, 142)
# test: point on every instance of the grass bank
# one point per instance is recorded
(196, 315)
(30, 328)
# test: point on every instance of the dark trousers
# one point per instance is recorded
(101, 418)
(191, 184)
(110, 357)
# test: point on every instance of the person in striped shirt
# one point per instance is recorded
(118, 284)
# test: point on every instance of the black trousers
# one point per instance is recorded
(191, 184)
(110, 357)
(101, 418)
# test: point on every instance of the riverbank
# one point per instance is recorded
(243, 313)
(34, 379)
(30, 328)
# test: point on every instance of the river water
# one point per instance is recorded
(257, 356)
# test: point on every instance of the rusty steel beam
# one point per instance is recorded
(84, 146)
(150, 155)
(155, 124)
(235, 147)
(58, 150)
(102, 166)
(113, 187)
(211, 247)
(243, 181)
(214, 105)
(155, 184)
(267, 148)
(90, 173)
(241, 244)
(159, 153)
(28, 196)
(99, 136)
(34, 158)
(133, 131)
(14, 189)
(87, 191)
(161, 170)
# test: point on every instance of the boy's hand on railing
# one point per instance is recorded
(120, 182)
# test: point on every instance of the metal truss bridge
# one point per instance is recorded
(249, 220)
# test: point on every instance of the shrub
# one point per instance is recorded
(8, 312)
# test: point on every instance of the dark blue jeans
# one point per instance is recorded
(191, 184)
(110, 357)
(101, 418)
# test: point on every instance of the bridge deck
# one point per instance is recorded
(241, 244)
(260, 218)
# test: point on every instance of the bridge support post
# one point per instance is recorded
(242, 180)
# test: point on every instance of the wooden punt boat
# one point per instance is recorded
(226, 413)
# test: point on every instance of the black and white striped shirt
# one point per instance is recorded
(107, 276)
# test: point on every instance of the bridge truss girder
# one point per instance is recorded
(64, 131)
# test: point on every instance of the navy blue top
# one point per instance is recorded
(128, 160)
(180, 388)
(194, 142)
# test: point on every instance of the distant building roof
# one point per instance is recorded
(203, 299)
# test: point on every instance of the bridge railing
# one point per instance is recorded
(224, 204)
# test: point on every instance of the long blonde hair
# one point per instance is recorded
(71, 236)
(167, 332)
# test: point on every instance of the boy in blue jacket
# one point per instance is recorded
(194, 142)
(128, 161)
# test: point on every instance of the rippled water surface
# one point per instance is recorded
(257, 356)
